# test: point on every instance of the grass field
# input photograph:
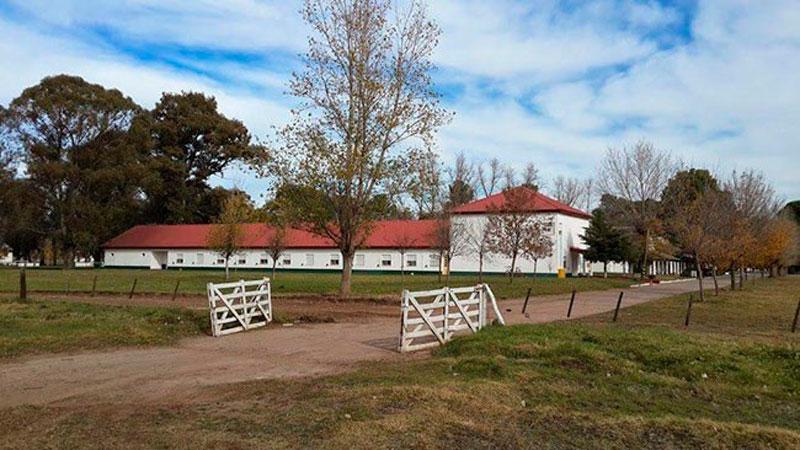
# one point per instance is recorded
(194, 282)
(731, 381)
(39, 327)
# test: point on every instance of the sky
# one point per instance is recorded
(556, 83)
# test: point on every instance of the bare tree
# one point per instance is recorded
(450, 239)
(637, 175)
(426, 189)
(367, 99)
(462, 180)
(695, 227)
(754, 205)
(227, 235)
(530, 176)
(276, 244)
(509, 177)
(514, 231)
(569, 191)
(489, 176)
(588, 189)
(479, 241)
(403, 242)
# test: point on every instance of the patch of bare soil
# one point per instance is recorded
(364, 331)
(299, 308)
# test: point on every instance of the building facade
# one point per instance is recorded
(390, 246)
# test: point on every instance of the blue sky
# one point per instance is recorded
(715, 82)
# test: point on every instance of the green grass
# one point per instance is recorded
(731, 381)
(47, 326)
(194, 282)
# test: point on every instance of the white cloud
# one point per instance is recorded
(536, 82)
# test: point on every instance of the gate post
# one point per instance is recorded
(445, 331)
(403, 318)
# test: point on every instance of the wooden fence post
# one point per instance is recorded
(689, 311)
(571, 302)
(94, 285)
(619, 303)
(175, 292)
(23, 284)
(133, 288)
(796, 316)
(527, 297)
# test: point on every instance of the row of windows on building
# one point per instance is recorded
(334, 260)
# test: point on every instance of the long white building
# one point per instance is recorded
(390, 242)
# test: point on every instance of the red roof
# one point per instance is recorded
(538, 203)
(385, 234)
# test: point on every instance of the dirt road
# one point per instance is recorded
(159, 374)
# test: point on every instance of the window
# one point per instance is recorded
(287, 260)
(179, 258)
(386, 260)
(361, 261)
(201, 258)
(242, 261)
(334, 259)
(264, 260)
(309, 259)
(433, 261)
(220, 260)
(411, 260)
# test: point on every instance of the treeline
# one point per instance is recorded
(82, 162)
(653, 207)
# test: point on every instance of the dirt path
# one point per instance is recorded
(159, 374)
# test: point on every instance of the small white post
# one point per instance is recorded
(445, 331)
(403, 319)
(211, 307)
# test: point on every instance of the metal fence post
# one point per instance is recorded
(527, 297)
(689, 311)
(619, 303)
(571, 302)
(23, 284)
(133, 288)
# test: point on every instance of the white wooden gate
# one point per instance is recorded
(430, 318)
(239, 306)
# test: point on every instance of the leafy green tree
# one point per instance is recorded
(79, 158)
(191, 142)
(604, 241)
(21, 226)
(460, 193)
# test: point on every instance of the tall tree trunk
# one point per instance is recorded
(646, 251)
(741, 278)
(716, 282)
(347, 274)
(733, 277)
(480, 268)
(274, 262)
(605, 269)
(699, 277)
(227, 272)
(513, 267)
(535, 264)
(439, 269)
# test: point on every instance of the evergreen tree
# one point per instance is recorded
(605, 242)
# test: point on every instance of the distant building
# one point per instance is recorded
(185, 246)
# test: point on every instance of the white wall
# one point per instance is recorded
(151, 259)
(298, 259)
(565, 234)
